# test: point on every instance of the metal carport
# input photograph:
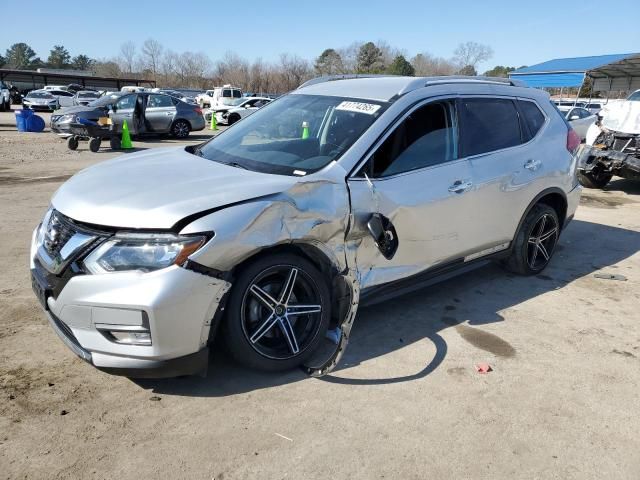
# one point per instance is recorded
(35, 79)
(608, 72)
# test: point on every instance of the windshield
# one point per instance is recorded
(104, 101)
(634, 97)
(294, 135)
(39, 95)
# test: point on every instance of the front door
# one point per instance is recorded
(160, 112)
(124, 110)
(416, 179)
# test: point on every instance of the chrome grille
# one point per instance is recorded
(57, 233)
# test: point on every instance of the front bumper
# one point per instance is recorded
(626, 165)
(176, 305)
(42, 108)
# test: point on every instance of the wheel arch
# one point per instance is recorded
(554, 197)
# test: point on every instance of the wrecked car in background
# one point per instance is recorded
(344, 192)
(613, 144)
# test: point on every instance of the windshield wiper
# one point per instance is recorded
(235, 164)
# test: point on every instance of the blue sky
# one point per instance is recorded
(519, 32)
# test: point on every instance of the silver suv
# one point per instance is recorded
(346, 191)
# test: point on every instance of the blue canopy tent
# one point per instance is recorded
(608, 72)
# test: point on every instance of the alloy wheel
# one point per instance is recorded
(181, 129)
(542, 241)
(281, 312)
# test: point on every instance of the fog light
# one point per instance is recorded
(127, 335)
(131, 338)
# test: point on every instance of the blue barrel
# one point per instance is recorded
(34, 123)
(21, 119)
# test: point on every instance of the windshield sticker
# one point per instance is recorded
(358, 107)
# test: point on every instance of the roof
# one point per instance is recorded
(32, 76)
(570, 72)
(384, 87)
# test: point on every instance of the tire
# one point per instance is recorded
(233, 118)
(535, 242)
(94, 144)
(72, 143)
(589, 180)
(255, 336)
(114, 143)
(180, 129)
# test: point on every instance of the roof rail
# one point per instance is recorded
(479, 79)
(342, 76)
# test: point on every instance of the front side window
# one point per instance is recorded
(295, 135)
(488, 124)
(634, 97)
(128, 101)
(426, 137)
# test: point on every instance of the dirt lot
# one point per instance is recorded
(562, 400)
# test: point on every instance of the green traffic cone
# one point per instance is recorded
(305, 130)
(125, 143)
(214, 123)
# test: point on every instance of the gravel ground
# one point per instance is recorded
(406, 403)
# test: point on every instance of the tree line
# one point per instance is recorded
(168, 68)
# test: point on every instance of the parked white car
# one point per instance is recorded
(5, 97)
(244, 109)
(218, 96)
(580, 119)
(65, 98)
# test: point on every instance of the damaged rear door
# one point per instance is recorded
(417, 188)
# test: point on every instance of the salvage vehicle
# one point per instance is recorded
(613, 144)
(579, 118)
(245, 108)
(347, 191)
(41, 100)
(146, 114)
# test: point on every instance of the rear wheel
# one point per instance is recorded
(535, 242)
(278, 309)
(233, 118)
(594, 180)
(180, 129)
(94, 144)
(72, 143)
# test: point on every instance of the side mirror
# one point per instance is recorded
(113, 108)
(384, 234)
(574, 117)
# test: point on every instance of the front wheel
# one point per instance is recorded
(180, 129)
(233, 118)
(591, 180)
(278, 309)
(72, 143)
(535, 242)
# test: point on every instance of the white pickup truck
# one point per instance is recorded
(218, 95)
(612, 144)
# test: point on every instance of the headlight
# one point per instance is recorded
(142, 252)
(65, 118)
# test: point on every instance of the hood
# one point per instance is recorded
(622, 117)
(157, 188)
(81, 109)
(40, 101)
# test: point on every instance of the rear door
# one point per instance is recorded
(505, 162)
(160, 112)
(416, 179)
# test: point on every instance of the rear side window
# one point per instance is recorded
(533, 117)
(488, 124)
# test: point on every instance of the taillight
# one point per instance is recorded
(573, 140)
(198, 110)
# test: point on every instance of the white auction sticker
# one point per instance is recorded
(359, 107)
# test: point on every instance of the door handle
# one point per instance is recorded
(169, 114)
(532, 164)
(460, 186)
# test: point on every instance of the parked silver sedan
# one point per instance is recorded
(344, 192)
(579, 118)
